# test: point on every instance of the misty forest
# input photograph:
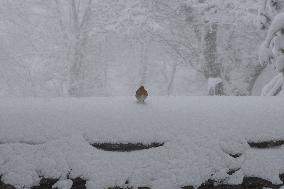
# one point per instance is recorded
(83, 48)
(141, 94)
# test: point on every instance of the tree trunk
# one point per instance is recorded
(80, 38)
(211, 67)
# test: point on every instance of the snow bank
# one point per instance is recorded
(51, 138)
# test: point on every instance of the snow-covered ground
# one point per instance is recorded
(51, 138)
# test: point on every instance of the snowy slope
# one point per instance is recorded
(52, 137)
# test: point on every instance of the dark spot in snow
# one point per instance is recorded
(118, 147)
(79, 183)
(266, 144)
(248, 183)
(5, 186)
(208, 184)
(233, 171)
(281, 176)
(46, 183)
(116, 187)
(235, 155)
(188, 187)
(254, 182)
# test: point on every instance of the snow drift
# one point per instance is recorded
(52, 138)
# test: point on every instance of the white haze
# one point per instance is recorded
(110, 47)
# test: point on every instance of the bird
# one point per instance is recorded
(141, 94)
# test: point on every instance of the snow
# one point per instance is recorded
(276, 25)
(268, 73)
(271, 51)
(212, 82)
(264, 165)
(280, 63)
(273, 87)
(265, 52)
(52, 137)
(236, 178)
(64, 184)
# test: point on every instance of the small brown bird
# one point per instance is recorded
(141, 94)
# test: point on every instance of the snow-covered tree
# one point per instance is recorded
(270, 8)
(272, 51)
(206, 35)
(56, 43)
(95, 47)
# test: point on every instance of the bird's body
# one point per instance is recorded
(141, 94)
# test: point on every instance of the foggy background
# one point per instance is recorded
(110, 47)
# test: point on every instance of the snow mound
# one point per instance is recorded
(52, 139)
